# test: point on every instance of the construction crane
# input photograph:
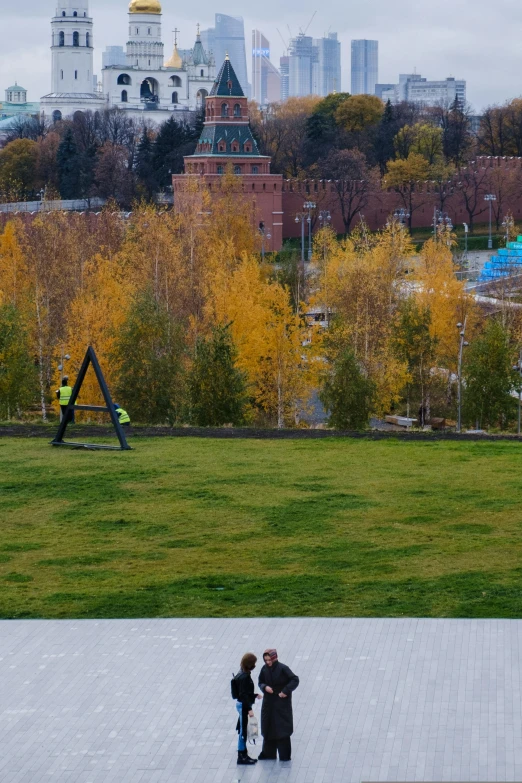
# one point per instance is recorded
(303, 32)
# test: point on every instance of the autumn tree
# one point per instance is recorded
(112, 176)
(217, 389)
(472, 187)
(19, 167)
(489, 378)
(414, 344)
(353, 182)
(149, 362)
(18, 383)
(359, 112)
(407, 177)
(346, 393)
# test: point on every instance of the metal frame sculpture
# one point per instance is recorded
(90, 358)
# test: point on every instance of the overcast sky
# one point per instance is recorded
(477, 40)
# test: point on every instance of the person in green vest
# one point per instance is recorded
(64, 394)
(123, 416)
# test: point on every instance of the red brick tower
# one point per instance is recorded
(226, 138)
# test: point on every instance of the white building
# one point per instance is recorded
(414, 88)
(144, 86)
(72, 62)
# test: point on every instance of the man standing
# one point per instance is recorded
(277, 682)
(64, 394)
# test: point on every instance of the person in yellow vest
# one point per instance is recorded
(64, 394)
(123, 416)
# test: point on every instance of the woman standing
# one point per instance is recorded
(246, 697)
(277, 682)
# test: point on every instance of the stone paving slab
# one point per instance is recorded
(148, 701)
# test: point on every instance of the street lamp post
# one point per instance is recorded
(401, 215)
(462, 345)
(466, 231)
(309, 205)
(490, 198)
(441, 220)
(518, 366)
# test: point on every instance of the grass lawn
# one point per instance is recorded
(187, 527)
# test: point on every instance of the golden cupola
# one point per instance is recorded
(145, 7)
(175, 61)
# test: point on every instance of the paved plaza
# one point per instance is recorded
(148, 701)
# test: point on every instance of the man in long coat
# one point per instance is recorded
(277, 682)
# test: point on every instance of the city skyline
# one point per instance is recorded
(452, 50)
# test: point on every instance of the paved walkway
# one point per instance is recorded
(148, 700)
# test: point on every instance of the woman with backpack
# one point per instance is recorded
(243, 692)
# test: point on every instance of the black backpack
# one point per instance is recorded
(234, 686)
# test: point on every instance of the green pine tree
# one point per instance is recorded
(488, 378)
(149, 354)
(347, 394)
(173, 142)
(216, 387)
(18, 375)
(144, 166)
(69, 164)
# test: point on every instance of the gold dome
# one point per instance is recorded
(175, 61)
(144, 7)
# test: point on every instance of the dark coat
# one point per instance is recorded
(277, 720)
(247, 697)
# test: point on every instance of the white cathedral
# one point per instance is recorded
(145, 86)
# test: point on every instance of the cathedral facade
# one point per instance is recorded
(144, 86)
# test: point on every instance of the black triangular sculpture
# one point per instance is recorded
(90, 358)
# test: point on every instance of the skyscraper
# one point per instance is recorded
(303, 54)
(266, 79)
(365, 67)
(228, 37)
(284, 70)
(327, 65)
(113, 55)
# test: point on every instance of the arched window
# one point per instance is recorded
(75, 13)
(63, 13)
(220, 169)
(62, 38)
(57, 116)
(237, 110)
(87, 40)
(124, 96)
(175, 81)
(76, 74)
(202, 72)
(124, 78)
(174, 97)
(224, 109)
(255, 170)
(248, 147)
(237, 169)
(61, 74)
(148, 31)
(76, 39)
(235, 146)
(222, 147)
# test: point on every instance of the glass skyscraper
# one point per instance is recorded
(365, 67)
(266, 79)
(228, 37)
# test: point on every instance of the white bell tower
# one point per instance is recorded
(72, 48)
(145, 47)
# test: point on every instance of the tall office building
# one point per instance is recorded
(327, 65)
(314, 65)
(266, 79)
(284, 70)
(365, 67)
(228, 37)
(303, 55)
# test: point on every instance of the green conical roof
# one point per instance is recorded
(227, 83)
(199, 56)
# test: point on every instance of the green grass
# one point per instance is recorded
(188, 527)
